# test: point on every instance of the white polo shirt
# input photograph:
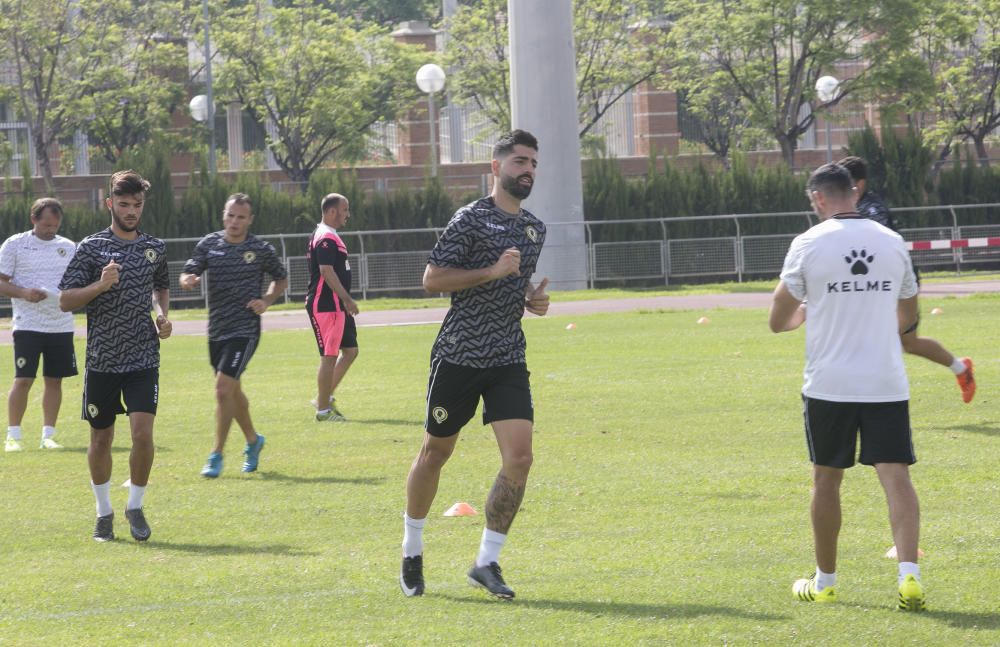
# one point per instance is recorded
(31, 262)
(852, 272)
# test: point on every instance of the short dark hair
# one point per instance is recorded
(505, 145)
(127, 182)
(240, 198)
(330, 201)
(832, 180)
(41, 204)
(856, 167)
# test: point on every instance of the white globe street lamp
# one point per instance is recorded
(430, 79)
(827, 89)
(199, 107)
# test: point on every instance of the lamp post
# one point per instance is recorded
(430, 79)
(209, 103)
(827, 89)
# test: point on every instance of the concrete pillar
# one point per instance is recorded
(543, 101)
(234, 130)
(81, 153)
(415, 127)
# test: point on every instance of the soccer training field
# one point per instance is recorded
(668, 502)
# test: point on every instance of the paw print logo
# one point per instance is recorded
(859, 262)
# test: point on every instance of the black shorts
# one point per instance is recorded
(832, 430)
(55, 347)
(231, 356)
(350, 338)
(103, 394)
(453, 394)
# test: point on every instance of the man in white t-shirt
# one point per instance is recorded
(31, 265)
(858, 282)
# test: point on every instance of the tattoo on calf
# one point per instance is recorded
(503, 503)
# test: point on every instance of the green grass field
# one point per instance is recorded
(668, 503)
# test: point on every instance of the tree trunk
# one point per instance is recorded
(788, 146)
(980, 143)
(44, 163)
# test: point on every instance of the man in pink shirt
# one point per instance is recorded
(330, 306)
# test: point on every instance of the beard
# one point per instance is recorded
(120, 222)
(513, 186)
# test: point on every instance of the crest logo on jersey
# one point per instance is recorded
(440, 414)
(347, 265)
(151, 255)
(531, 233)
(21, 362)
(61, 251)
(92, 410)
(249, 257)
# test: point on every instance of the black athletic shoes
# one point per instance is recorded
(411, 576)
(105, 529)
(489, 578)
(137, 524)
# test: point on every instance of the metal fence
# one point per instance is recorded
(633, 262)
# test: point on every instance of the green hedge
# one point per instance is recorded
(901, 168)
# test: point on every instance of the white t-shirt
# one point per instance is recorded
(852, 272)
(31, 262)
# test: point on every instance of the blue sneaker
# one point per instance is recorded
(252, 453)
(213, 467)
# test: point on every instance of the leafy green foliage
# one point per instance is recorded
(381, 12)
(617, 46)
(669, 191)
(769, 54)
(960, 44)
(128, 98)
(319, 80)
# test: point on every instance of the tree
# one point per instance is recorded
(387, 13)
(961, 46)
(713, 114)
(46, 47)
(771, 52)
(320, 81)
(617, 48)
(127, 99)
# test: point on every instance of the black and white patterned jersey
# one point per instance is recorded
(872, 206)
(483, 326)
(235, 277)
(121, 335)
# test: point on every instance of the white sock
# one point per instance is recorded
(323, 411)
(958, 366)
(14, 432)
(909, 568)
(825, 580)
(413, 536)
(489, 547)
(103, 495)
(135, 493)
(48, 432)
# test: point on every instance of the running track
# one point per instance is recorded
(297, 320)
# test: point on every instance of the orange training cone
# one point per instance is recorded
(460, 509)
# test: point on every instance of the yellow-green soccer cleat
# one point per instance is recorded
(911, 595)
(49, 443)
(12, 445)
(805, 590)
